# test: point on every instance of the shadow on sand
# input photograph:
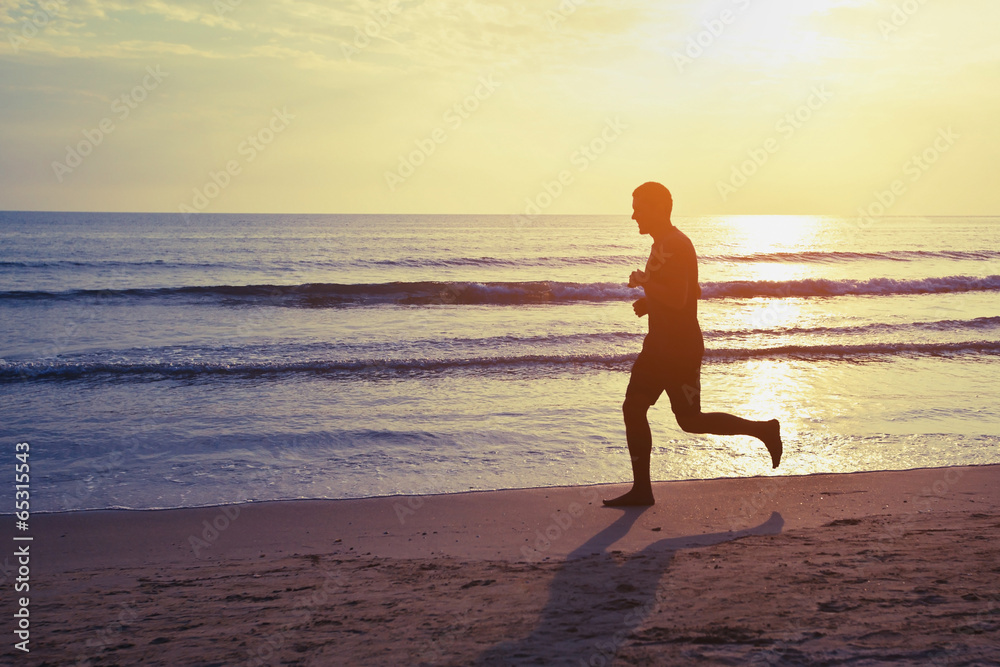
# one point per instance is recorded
(598, 597)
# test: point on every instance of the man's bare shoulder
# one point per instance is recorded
(675, 244)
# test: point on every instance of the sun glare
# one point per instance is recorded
(759, 32)
(769, 234)
(753, 234)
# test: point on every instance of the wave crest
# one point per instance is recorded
(318, 295)
(125, 371)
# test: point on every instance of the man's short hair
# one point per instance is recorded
(656, 193)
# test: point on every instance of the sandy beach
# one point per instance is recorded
(823, 569)
(327, 329)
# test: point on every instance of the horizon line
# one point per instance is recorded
(519, 215)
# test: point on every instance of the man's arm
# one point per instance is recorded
(671, 295)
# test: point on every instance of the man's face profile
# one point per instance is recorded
(644, 213)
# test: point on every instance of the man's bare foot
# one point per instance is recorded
(772, 440)
(634, 498)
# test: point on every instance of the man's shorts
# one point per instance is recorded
(680, 378)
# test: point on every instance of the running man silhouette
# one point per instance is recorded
(671, 354)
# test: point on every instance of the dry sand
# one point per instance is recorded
(853, 569)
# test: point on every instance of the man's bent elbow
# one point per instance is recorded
(634, 406)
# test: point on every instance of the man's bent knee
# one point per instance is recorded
(635, 406)
(690, 422)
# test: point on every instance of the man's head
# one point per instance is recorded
(651, 207)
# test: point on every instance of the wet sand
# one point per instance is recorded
(851, 568)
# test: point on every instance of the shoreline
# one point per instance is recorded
(769, 569)
(444, 494)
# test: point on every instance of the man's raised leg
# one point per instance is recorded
(720, 423)
(640, 447)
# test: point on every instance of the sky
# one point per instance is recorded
(829, 107)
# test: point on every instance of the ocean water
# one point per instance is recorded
(155, 361)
